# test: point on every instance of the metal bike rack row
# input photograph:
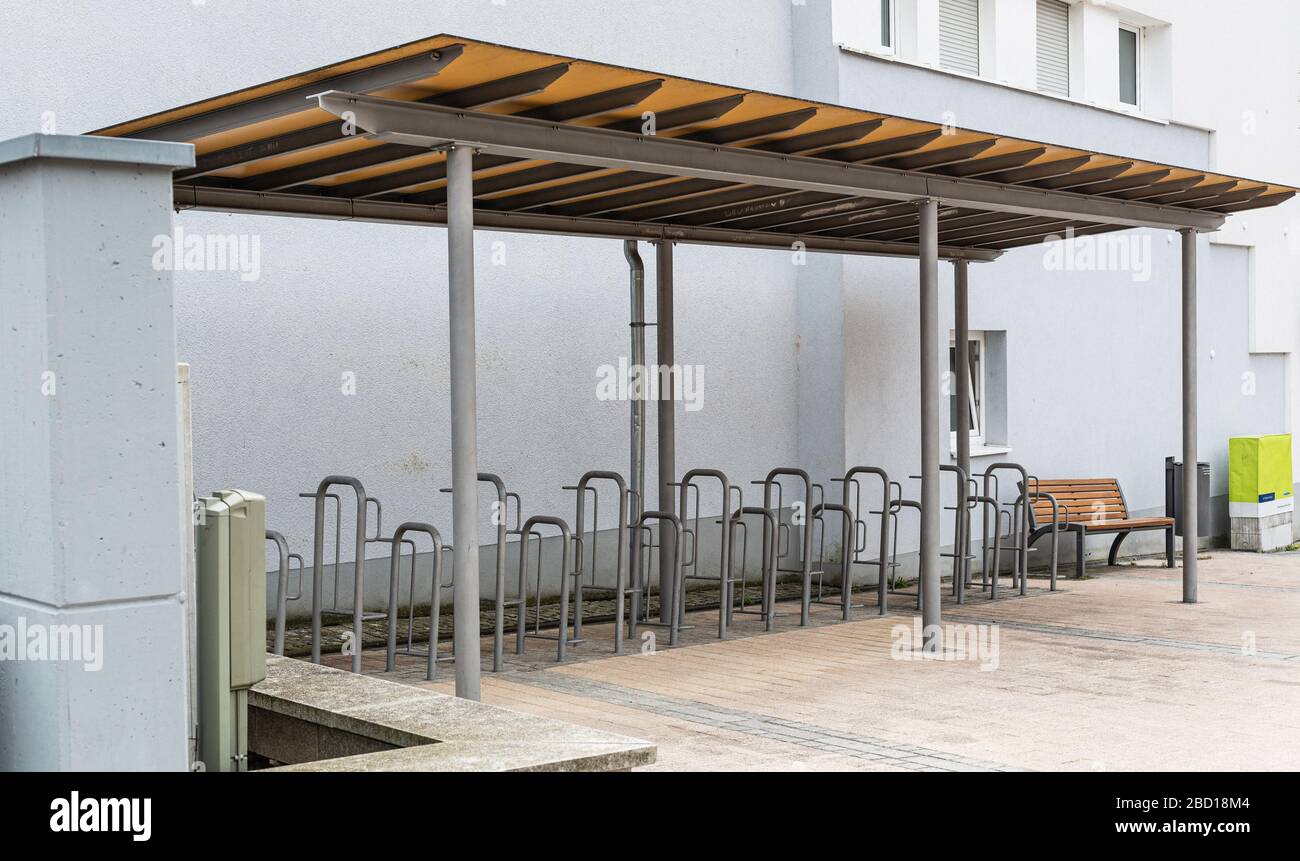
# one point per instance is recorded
(357, 611)
(362, 538)
(282, 596)
(767, 563)
(990, 504)
(435, 597)
(567, 541)
(805, 569)
(580, 553)
(724, 578)
(853, 536)
(642, 526)
(501, 520)
(1018, 528)
(585, 580)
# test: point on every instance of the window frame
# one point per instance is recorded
(1135, 105)
(889, 33)
(977, 392)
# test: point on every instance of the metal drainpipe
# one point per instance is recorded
(637, 324)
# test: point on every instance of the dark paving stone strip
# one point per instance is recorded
(1121, 637)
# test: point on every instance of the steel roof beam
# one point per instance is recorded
(791, 208)
(847, 221)
(1080, 229)
(1043, 170)
(751, 130)
(1199, 193)
(994, 164)
(669, 120)
(582, 107)
(294, 100)
(1044, 231)
(586, 107)
(1160, 189)
(315, 206)
(906, 225)
(1073, 181)
(1258, 202)
(803, 144)
(1123, 183)
(813, 141)
(883, 148)
(733, 134)
(571, 191)
(477, 96)
(404, 122)
(937, 158)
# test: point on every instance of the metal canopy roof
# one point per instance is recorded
(567, 146)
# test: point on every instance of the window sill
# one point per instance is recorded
(983, 450)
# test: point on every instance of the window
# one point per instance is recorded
(975, 399)
(1053, 37)
(1130, 40)
(959, 36)
(887, 24)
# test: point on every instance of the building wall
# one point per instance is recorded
(811, 364)
(1207, 101)
(268, 356)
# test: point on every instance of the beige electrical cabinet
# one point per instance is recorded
(231, 609)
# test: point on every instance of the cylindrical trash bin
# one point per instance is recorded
(1174, 496)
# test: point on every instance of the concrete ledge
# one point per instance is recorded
(427, 731)
(91, 148)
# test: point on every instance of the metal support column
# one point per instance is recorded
(636, 480)
(961, 321)
(667, 432)
(1190, 469)
(464, 419)
(930, 404)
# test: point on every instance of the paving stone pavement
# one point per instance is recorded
(800, 733)
(1163, 642)
(1112, 672)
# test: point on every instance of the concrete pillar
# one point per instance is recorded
(93, 514)
(464, 419)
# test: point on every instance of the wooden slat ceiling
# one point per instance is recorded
(305, 152)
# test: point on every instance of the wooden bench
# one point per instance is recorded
(1090, 506)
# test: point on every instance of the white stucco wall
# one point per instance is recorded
(267, 356)
(788, 379)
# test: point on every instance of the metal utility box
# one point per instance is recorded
(231, 609)
(1261, 492)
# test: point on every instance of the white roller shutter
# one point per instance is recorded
(959, 35)
(1054, 47)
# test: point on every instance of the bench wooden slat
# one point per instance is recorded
(1095, 502)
